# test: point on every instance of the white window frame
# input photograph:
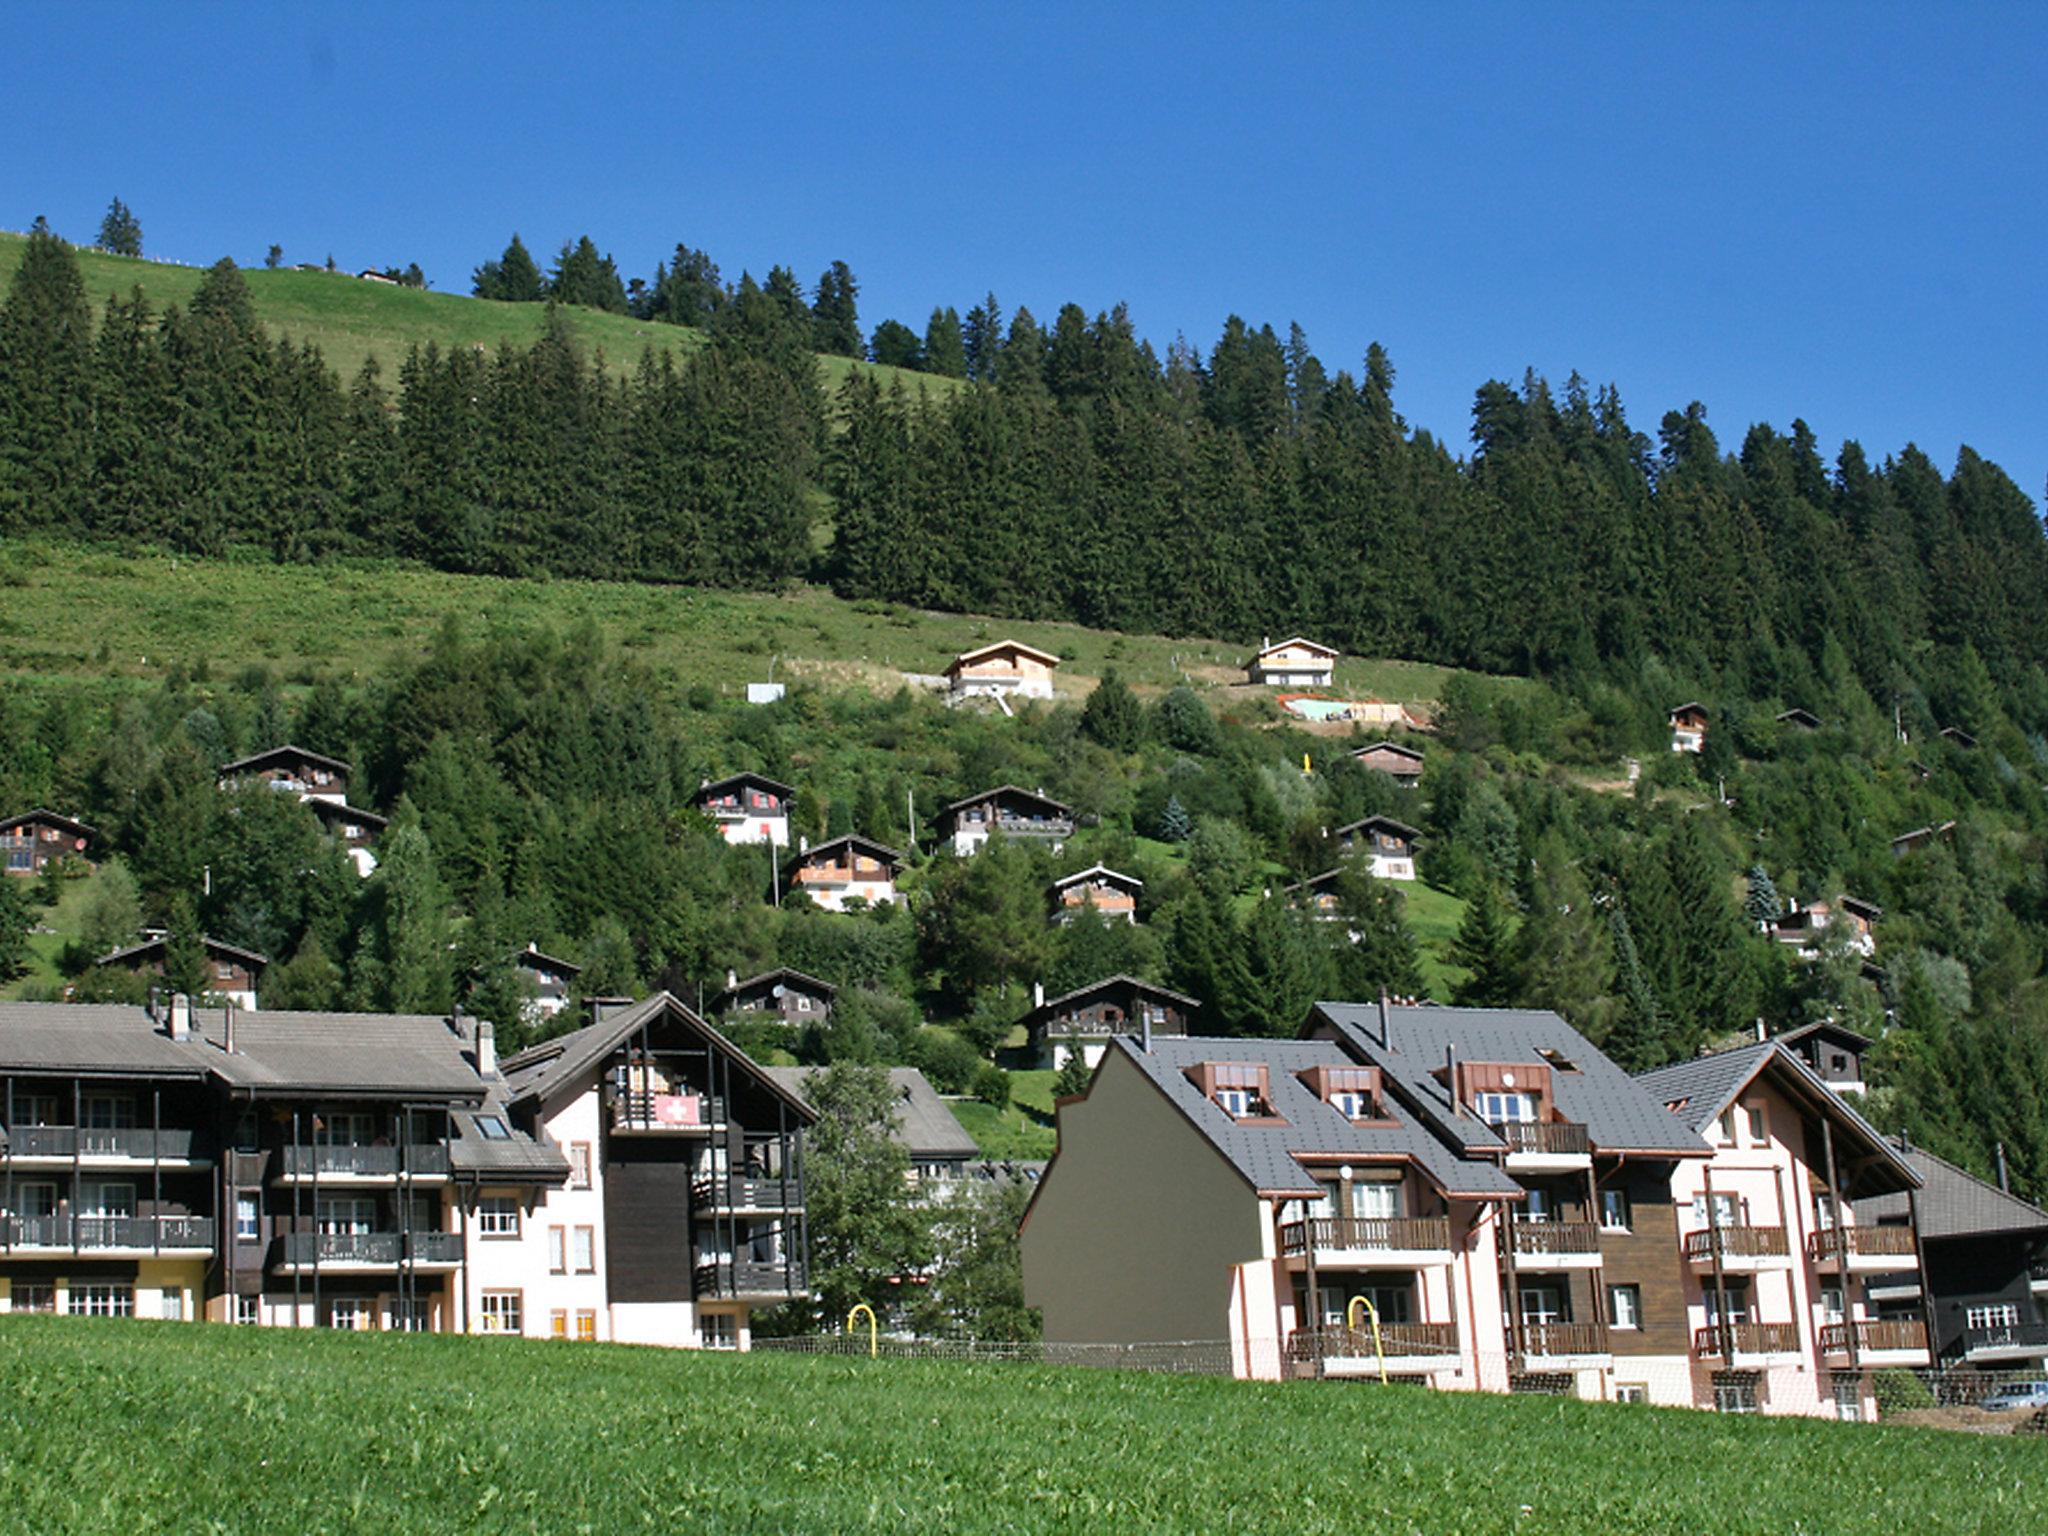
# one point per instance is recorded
(248, 1219)
(558, 1251)
(579, 1165)
(345, 1215)
(498, 1216)
(718, 1330)
(1625, 1299)
(100, 1298)
(1632, 1392)
(1505, 1106)
(1617, 1212)
(1992, 1315)
(247, 1310)
(501, 1311)
(583, 1249)
(586, 1325)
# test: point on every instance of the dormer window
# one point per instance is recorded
(1498, 1107)
(1235, 1102)
(1353, 1092)
(1351, 1104)
(1239, 1089)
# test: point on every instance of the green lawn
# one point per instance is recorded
(64, 921)
(1434, 916)
(350, 320)
(135, 1426)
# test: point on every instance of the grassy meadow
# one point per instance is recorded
(138, 1426)
(351, 320)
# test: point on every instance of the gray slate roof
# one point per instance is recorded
(1954, 1203)
(115, 1038)
(925, 1128)
(1266, 1154)
(1619, 1114)
(517, 1158)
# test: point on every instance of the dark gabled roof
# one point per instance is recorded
(1115, 877)
(783, 974)
(1053, 1005)
(381, 1055)
(759, 780)
(859, 844)
(1268, 1155)
(1311, 882)
(156, 943)
(514, 1158)
(1689, 704)
(92, 1038)
(533, 960)
(1697, 1091)
(1618, 1113)
(1869, 911)
(1958, 735)
(1801, 717)
(1007, 789)
(1303, 640)
(1954, 1203)
(1921, 834)
(272, 754)
(924, 1127)
(333, 810)
(534, 1073)
(967, 658)
(1826, 1029)
(72, 824)
(1388, 746)
(1399, 829)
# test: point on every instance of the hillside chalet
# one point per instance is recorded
(551, 979)
(1401, 764)
(1007, 669)
(1922, 837)
(1293, 663)
(1689, 728)
(1009, 810)
(1387, 845)
(747, 808)
(1087, 1018)
(847, 868)
(358, 830)
(231, 972)
(784, 994)
(1801, 927)
(1113, 895)
(291, 770)
(34, 839)
(1799, 719)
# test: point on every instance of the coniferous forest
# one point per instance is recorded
(540, 785)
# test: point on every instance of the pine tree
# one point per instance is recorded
(185, 967)
(1113, 716)
(16, 914)
(120, 231)
(944, 351)
(981, 338)
(1073, 1077)
(1762, 906)
(1175, 825)
(835, 312)
(895, 345)
(1484, 948)
(46, 385)
(514, 278)
(274, 257)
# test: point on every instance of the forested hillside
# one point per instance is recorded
(540, 779)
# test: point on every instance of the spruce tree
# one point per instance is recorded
(1484, 948)
(120, 231)
(1175, 825)
(895, 345)
(514, 278)
(1113, 716)
(944, 352)
(1762, 907)
(46, 386)
(835, 312)
(185, 967)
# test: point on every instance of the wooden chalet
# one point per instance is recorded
(1920, 837)
(38, 838)
(292, 770)
(1009, 810)
(552, 979)
(1401, 764)
(1005, 669)
(748, 808)
(1293, 663)
(1689, 727)
(232, 972)
(1801, 927)
(1799, 719)
(1087, 1018)
(783, 994)
(358, 830)
(1113, 895)
(835, 873)
(1833, 1051)
(1388, 845)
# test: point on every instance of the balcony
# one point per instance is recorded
(667, 1114)
(123, 1236)
(1862, 1250)
(359, 1252)
(1405, 1348)
(1027, 826)
(422, 1162)
(750, 1280)
(2015, 1342)
(55, 1144)
(1562, 1344)
(1394, 1242)
(1550, 1146)
(1748, 1343)
(1539, 1245)
(1739, 1248)
(742, 1195)
(2037, 1278)
(1879, 1342)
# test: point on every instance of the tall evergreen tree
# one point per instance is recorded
(46, 388)
(120, 231)
(1485, 949)
(944, 351)
(835, 312)
(514, 278)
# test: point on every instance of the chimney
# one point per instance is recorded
(227, 1034)
(2004, 1177)
(1383, 1020)
(1038, 994)
(732, 978)
(486, 1048)
(179, 1019)
(1451, 1077)
(1761, 1033)
(155, 1005)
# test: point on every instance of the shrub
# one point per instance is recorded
(992, 1086)
(950, 1062)
(1898, 1390)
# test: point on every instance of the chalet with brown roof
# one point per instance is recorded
(1003, 670)
(1921, 837)
(748, 808)
(1293, 663)
(1689, 727)
(38, 838)
(1317, 895)
(1801, 927)
(1956, 735)
(357, 830)
(231, 972)
(783, 994)
(1113, 895)
(1387, 845)
(1401, 764)
(291, 770)
(1087, 1018)
(847, 868)
(1009, 810)
(1833, 1052)
(552, 979)
(1800, 719)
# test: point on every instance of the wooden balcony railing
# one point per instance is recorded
(87, 1234)
(1380, 1233)
(685, 1111)
(1549, 1239)
(1747, 1339)
(130, 1144)
(1562, 1338)
(421, 1159)
(1861, 1242)
(1550, 1137)
(1396, 1340)
(738, 1193)
(1734, 1242)
(1873, 1335)
(748, 1277)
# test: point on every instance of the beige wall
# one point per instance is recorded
(1140, 1224)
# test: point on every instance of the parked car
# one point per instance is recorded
(2017, 1394)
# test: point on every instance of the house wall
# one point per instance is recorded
(1005, 672)
(1405, 770)
(26, 848)
(1140, 1232)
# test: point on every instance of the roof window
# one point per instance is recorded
(492, 1128)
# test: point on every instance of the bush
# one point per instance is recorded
(1898, 1390)
(950, 1062)
(992, 1086)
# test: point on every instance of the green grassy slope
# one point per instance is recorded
(350, 319)
(155, 1426)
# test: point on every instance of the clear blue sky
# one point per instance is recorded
(1835, 212)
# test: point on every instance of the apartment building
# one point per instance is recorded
(639, 1179)
(1475, 1198)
